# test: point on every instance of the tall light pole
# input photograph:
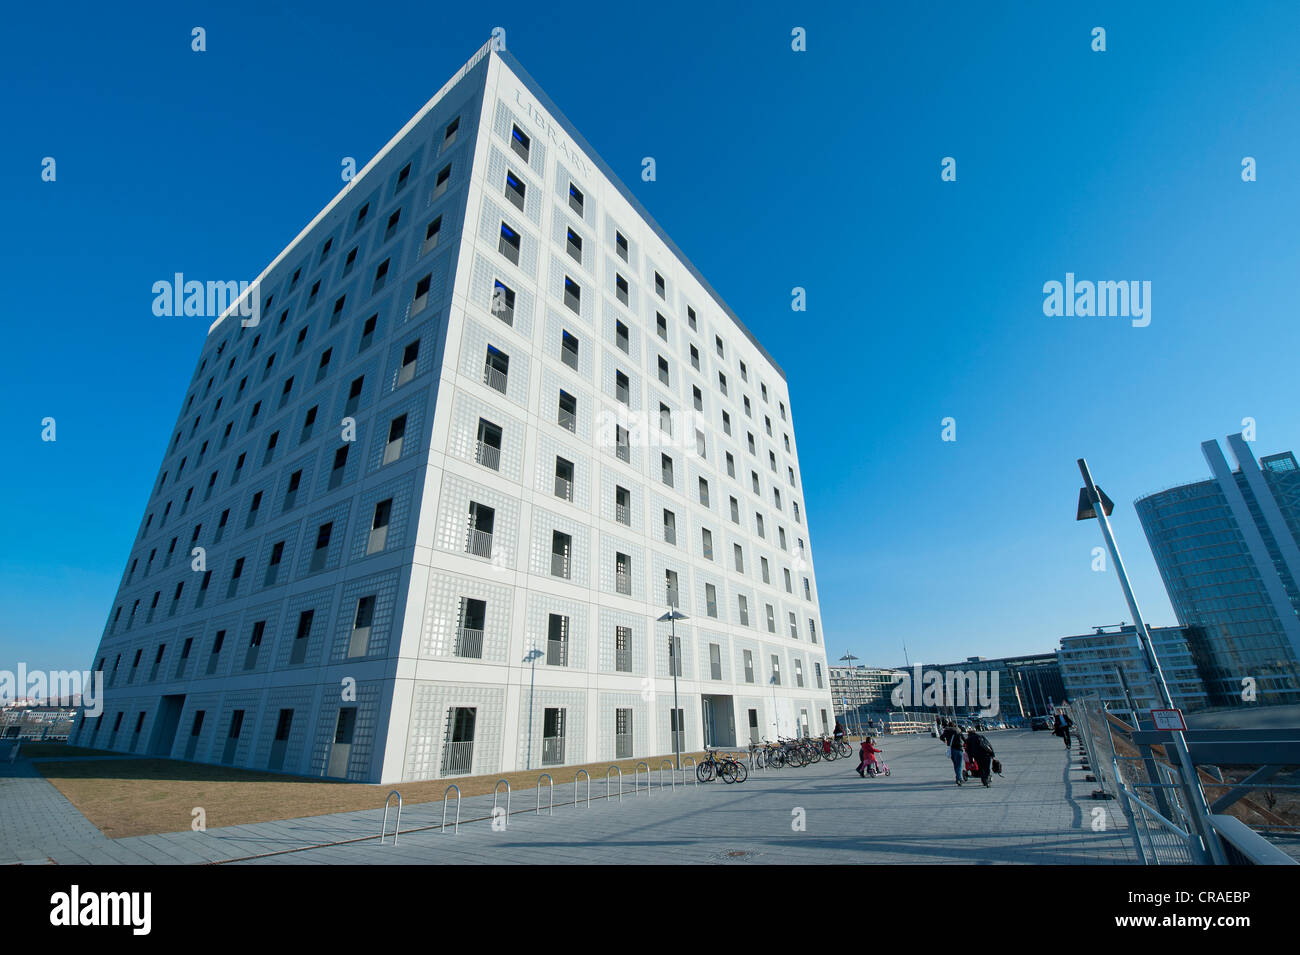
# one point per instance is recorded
(1094, 503)
(531, 658)
(849, 657)
(671, 618)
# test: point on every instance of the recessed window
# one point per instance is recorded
(503, 302)
(410, 356)
(431, 235)
(440, 184)
(690, 317)
(381, 276)
(340, 463)
(321, 551)
(620, 245)
(564, 479)
(421, 294)
(569, 350)
(354, 396)
(403, 178)
(576, 199)
(572, 295)
(574, 246)
(660, 288)
(487, 450)
(449, 134)
(515, 189)
(661, 324)
(620, 288)
(379, 527)
(509, 244)
(496, 369)
(392, 224)
(568, 412)
(621, 335)
(520, 142)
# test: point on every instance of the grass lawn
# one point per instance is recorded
(137, 797)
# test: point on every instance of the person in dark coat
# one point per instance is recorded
(981, 755)
(952, 739)
(1062, 728)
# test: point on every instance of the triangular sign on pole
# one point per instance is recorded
(1086, 511)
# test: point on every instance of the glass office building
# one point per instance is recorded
(1227, 552)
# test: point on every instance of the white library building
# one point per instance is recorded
(422, 517)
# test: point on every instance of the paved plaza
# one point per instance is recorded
(1040, 812)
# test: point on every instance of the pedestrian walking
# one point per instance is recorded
(1062, 727)
(981, 753)
(952, 738)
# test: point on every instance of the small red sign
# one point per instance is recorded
(1168, 720)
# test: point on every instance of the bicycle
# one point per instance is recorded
(726, 766)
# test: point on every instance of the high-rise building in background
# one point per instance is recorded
(1110, 664)
(421, 519)
(1227, 552)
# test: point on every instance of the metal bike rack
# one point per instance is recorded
(383, 828)
(446, 792)
(496, 790)
(636, 776)
(614, 769)
(581, 772)
(671, 774)
(551, 784)
(694, 777)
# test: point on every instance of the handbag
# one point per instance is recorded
(997, 766)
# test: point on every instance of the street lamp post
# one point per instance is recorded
(675, 724)
(1093, 503)
(850, 658)
(531, 658)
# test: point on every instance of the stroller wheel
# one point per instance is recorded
(886, 770)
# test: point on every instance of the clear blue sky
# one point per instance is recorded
(776, 169)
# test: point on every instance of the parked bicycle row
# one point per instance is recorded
(799, 752)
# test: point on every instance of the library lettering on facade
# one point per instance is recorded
(489, 426)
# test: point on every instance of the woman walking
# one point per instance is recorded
(981, 753)
(951, 737)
